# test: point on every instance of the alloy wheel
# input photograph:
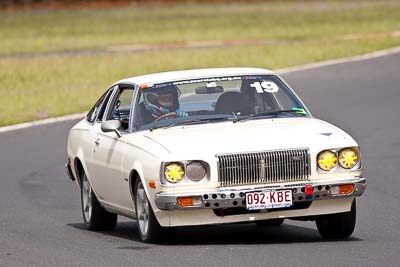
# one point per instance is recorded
(143, 210)
(86, 199)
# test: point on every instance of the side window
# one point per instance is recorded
(103, 107)
(121, 107)
(92, 114)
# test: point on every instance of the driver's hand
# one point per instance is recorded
(181, 113)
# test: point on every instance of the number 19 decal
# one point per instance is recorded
(265, 86)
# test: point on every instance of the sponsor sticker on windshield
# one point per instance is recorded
(265, 87)
(299, 110)
(209, 80)
(211, 84)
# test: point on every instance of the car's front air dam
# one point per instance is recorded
(199, 217)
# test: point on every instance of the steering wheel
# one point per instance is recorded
(168, 115)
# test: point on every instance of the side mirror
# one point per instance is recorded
(111, 126)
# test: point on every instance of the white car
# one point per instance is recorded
(212, 146)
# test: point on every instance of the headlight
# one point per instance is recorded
(327, 160)
(174, 172)
(348, 158)
(196, 171)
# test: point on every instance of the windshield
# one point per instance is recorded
(214, 99)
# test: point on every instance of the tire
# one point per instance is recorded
(270, 223)
(337, 226)
(149, 229)
(96, 218)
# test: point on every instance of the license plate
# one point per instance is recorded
(269, 200)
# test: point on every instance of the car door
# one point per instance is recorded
(111, 186)
(93, 119)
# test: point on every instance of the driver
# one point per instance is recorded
(163, 101)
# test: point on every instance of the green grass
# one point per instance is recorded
(89, 29)
(35, 87)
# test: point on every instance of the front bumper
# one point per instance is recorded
(222, 198)
(69, 170)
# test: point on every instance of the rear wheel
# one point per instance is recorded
(95, 216)
(337, 226)
(149, 229)
(270, 223)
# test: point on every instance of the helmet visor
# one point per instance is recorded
(166, 100)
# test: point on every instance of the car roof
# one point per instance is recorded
(191, 74)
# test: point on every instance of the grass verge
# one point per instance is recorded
(38, 87)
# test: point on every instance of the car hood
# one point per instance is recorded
(245, 136)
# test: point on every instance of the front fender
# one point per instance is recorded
(146, 173)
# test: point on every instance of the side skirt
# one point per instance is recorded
(119, 210)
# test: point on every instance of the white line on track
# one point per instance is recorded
(372, 55)
(42, 122)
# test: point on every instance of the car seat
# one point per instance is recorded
(233, 102)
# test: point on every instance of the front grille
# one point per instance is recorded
(269, 167)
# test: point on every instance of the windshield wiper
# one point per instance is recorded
(270, 113)
(190, 122)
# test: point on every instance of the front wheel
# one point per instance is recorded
(337, 226)
(95, 216)
(149, 229)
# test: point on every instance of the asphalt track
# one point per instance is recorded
(40, 217)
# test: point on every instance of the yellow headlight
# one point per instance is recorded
(327, 160)
(348, 158)
(174, 172)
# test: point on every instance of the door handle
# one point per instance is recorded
(97, 142)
